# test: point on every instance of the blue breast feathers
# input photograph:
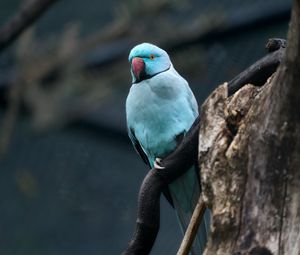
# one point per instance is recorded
(158, 109)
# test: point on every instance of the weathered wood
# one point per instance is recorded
(249, 157)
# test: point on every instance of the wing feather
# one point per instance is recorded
(138, 148)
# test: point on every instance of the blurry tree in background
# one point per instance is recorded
(69, 177)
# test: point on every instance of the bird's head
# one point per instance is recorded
(147, 60)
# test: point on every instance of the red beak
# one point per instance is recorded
(138, 67)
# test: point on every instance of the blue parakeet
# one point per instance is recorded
(160, 109)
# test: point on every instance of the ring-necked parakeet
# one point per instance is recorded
(160, 109)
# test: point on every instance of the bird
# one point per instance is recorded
(160, 109)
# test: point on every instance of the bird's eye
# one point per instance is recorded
(151, 56)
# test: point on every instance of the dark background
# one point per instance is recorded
(69, 177)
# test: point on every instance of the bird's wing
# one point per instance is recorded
(138, 148)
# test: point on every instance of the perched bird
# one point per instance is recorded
(160, 109)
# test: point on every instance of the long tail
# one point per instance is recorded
(185, 193)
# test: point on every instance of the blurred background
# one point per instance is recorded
(69, 177)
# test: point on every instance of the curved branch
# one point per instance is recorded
(260, 71)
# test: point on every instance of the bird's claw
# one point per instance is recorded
(157, 163)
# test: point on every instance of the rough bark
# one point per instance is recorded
(249, 148)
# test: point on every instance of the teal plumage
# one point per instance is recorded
(160, 108)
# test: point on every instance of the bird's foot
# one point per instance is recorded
(157, 163)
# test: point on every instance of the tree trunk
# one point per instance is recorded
(249, 156)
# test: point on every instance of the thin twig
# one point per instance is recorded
(28, 13)
(192, 229)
